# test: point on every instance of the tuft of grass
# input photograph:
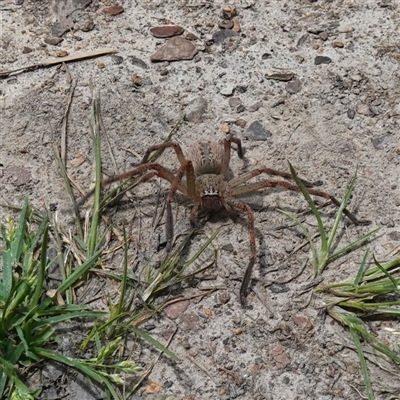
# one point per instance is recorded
(324, 254)
(373, 294)
(29, 313)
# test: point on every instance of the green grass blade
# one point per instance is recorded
(395, 284)
(124, 282)
(65, 317)
(363, 364)
(16, 247)
(313, 207)
(64, 175)
(361, 271)
(95, 128)
(154, 342)
(78, 273)
(353, 245)
(343, 204)
(41, 272)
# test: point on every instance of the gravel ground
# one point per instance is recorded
(312, 82)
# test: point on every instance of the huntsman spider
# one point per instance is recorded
(203, 179)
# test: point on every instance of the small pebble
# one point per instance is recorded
(26, 50)
(196, 109)
(223, 34)
(191, 36)
(175, 49)
(255, 107)
(62, 53)
(322, 60)
(224, 297)
(53, 40)
(113, 10)
(256, 131)
(227, 90)
(323, 35)
(363, 109)
(234, 102)
(166, 31)
(338, 44)
(101, 65)
(225, 128)
(294, 86)
(225, 24)
(236, 25)
(351, 113)
(228, 12)
(137, 79)
(241, 122)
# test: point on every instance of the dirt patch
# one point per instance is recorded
(339, 111)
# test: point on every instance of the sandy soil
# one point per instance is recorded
(329, 120)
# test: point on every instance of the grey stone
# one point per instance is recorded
(293, 86)
(256, 131)
(196, 109)
(223, 34)
(322, 60)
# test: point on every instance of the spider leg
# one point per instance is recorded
(264, 170)
(252, 187)
(186, 168)
(244, 288)
(161, 147)
(227, 152)
(158, 170)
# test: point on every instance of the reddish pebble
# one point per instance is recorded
(166, 31)
(175, 49)
(113, 10)
(338, 44)
(174, 310)
(191, 36)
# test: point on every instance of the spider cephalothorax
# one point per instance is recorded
(203, 178)
(211, 191)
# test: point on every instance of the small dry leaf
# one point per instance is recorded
(153, 387)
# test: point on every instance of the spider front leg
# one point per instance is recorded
(158, 170)
(161, 147)
(186, 168)
(244, 288)
(227, 152)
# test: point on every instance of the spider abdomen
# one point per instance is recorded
(206, 158)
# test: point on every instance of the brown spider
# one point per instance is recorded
(207, 185)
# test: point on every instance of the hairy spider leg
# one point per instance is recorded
(252, 187)
(244, 288)
(186, 168)
(159, 170)
(264, 170)
(227, 152)
(161, 147)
